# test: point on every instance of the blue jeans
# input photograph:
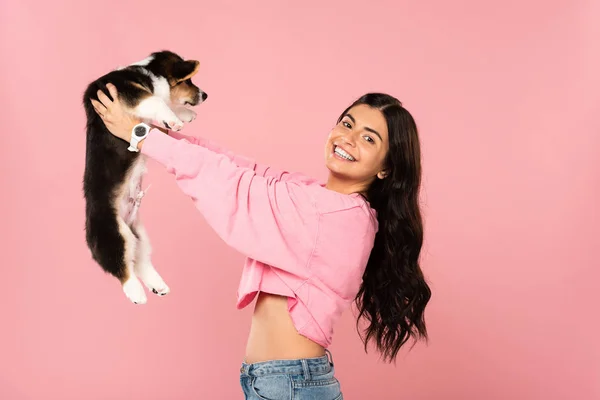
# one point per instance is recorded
(302, 379)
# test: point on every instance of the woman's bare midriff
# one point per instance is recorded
(273, 335)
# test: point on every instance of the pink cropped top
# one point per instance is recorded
(301, 240)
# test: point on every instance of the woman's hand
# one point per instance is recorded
(117, 120)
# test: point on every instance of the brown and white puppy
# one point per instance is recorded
(157, 90)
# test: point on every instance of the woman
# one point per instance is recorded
(312, 248)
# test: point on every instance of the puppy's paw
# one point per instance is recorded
(186, 115)
(174, 125)
(135, 291)
(162, 291)
(152, 279)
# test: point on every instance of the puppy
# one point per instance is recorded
(157, 90)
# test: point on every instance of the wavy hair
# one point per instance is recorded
(394, 293)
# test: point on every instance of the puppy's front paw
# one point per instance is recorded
(175, 125)
(189, 116)
(185, 114)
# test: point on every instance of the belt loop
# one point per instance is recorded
(330, 356)
(305, 370)
(245, 368)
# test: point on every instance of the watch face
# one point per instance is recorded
(139, 131)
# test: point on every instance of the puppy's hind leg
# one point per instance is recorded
(132, 287)
(113, 247)
(143, 264)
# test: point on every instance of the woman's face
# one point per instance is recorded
(356, 149)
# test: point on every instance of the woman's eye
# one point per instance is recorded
(346, 124)
(369, 139)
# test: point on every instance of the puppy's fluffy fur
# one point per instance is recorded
(157, 90)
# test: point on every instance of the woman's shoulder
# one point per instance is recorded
(354, 207)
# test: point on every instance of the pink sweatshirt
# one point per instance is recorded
(301, 239)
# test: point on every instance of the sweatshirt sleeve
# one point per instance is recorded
(265, 218)
(242, 161)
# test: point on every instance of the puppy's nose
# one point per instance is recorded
(204, 96)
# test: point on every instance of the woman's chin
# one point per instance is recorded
(334, 166)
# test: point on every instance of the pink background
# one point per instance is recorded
(506, 97)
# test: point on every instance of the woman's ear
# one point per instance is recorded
(382, 174)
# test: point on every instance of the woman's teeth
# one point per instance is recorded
(343, 154)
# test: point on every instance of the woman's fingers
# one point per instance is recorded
(104, 99)
(99, 107)
(112, 89)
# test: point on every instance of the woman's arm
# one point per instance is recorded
(241, 161)
(266, 218)
(120, 123)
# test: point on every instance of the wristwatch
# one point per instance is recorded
(139, 132)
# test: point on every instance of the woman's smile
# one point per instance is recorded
(342, 154)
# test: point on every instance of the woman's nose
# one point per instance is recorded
(350, 139)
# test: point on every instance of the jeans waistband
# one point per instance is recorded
(303, 366)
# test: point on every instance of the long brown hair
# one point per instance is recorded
(394, 293)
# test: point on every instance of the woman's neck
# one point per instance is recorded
(345, 186)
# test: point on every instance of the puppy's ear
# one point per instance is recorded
(183, 70)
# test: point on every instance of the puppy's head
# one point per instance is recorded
(179, 73)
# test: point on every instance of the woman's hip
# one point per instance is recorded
(306, 378)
